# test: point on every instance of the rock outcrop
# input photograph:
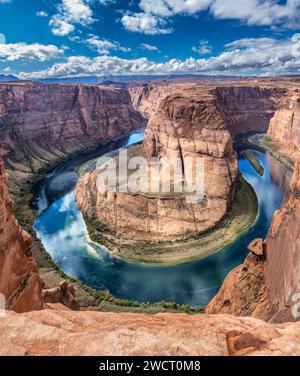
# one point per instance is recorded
(267, 285)
(184, 128)
(283, 255)
(244, 291)
(245, 108)
(19, 278)
(51, 332)
(64, 293)
(284, 129)
(42, 124)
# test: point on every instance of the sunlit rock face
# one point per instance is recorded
(184, 128)
(19, 278)
(246, 108)
(51, 332)
(42, 124)
(284, 129)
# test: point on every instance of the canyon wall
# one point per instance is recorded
(184, 128)
(284, 129)
(248, 108)
(282, 268)
(19, 278)
(268, 287)
(41, 124)
(245, 108)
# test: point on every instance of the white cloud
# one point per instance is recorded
(251, 12)
(149, 47)
(145, 23)
(35, 51)
(60, 27)
(71, 12)
(42, 13)
(104, 46)
(2, 38)
(241, 57)
(203, 48)
(5, 1)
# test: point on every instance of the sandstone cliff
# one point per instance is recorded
(50, 332)
(283, 255)
(19, 278)
(248, 108)
(269, 287)
(245, 108)
(284, 129)
(183, 127)
(42, 123)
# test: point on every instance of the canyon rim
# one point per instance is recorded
(149, 179)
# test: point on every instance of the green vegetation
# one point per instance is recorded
(254, 162)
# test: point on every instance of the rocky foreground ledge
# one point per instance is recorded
(51, 332)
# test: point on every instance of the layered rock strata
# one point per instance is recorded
(50, 332)
(183, 129)
(268, 287)
(284, 129)
(245, 108)
(41, 124)
(19, 278)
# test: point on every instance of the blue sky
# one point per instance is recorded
(59, 38)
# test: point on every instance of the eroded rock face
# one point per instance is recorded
(283, 255)
(42, 123)
(284, 129)
(267, 286)
(244, 291)
(248, 108)
(19, 278)
(50, 332)
(64, 293)
(185, 128)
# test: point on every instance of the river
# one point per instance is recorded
(60, 226)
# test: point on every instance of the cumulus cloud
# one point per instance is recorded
(104, 46)
(242, 57)
(35, 51)
(203, 48)
(145, 23)
(71, 12)
(251, 12)
(149, 47)
(60, 27)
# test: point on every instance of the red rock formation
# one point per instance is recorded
(19, 278)
(42, 123)
(64, 293)
(248, 108)
(51, 332)
(269, 289)
(243, 292)
(284, 129)
(283, 255)
(183, 127)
